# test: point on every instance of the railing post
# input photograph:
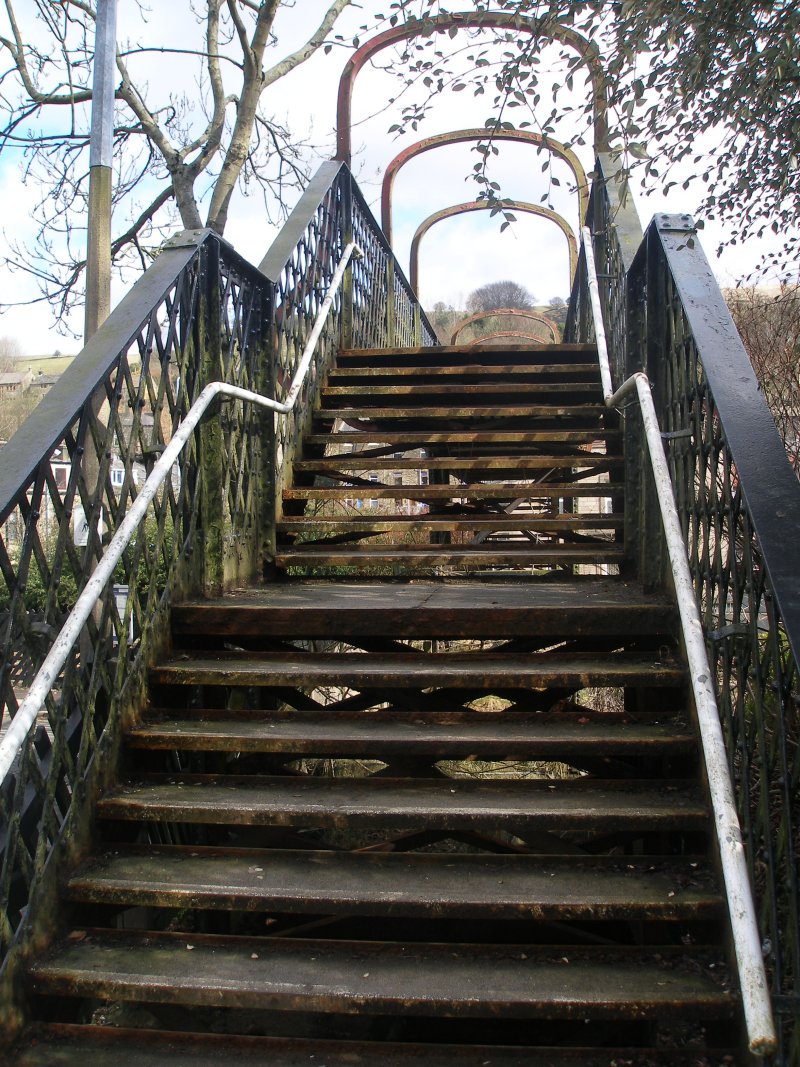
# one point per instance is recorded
(391, 315)
(347, 282)
(267, 515)
(210, 449)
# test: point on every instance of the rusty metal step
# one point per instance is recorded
(463, 355)
(420, 558)
(513, 521)
(511, 466)
(460, 391)
(536, 888)
(423, 670)
(314, 530)
(488, 491)
(474, 412)
(445, 735)
(467, 981)
(455, 609)
(475, 439)
(92, 1046)
(516, 805)
(341, 371)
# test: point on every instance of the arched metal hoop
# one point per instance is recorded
(519, 313)
(438, 140)
(505, 334)
(473, 205)
(554, 31)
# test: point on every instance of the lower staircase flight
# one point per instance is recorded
(433, 793)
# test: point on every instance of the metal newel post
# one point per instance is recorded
(211, 451)
(348, 302)
(101, 150)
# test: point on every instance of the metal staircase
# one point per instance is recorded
(432, 792)
(453, 821)
(451, 459)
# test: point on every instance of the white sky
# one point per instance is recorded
(456, 256)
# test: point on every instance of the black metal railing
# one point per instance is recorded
(739, 503)
(201, 313)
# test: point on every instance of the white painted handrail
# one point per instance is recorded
(43, 682)
(744, 926)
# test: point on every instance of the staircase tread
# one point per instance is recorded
(422, 438)
(443, 351)
(64, 1045)
(486, 552)
(422, 669)
(454, 411)
(387, 883)
(460, 389)
(316, 607)
(519, 520)
(477, 369)
(451, 734)
(474, 981)
(489, 491)
(352, 461)
(435, 802)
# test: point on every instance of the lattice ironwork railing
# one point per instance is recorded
(201, 313)
(739, 502)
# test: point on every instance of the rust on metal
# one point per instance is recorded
(552, 30)
(502, 335)
(524, 206)
(461, 136)
(520, 313)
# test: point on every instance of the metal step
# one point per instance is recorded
(466, 981)
(423, 557)
(509, 466)
(464, 355)
(516, 805)
(484, 491)
(92, 1046)
(413, 439)
(462, 390)
(473, 413)
(423, 670)
(343, 372)
(444, 735)
(405, 524)
(550, 888)
(457, 609)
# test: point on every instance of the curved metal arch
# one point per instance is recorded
(586, 49)
(521, 313)
(477, 205)
(504, 333)
(477, 134)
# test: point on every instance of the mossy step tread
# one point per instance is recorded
(92, 1046)
(474, 438)
(479, 369)
(496, 553)
(318, 608)
(520, 521)
(425, 670)
(443, 410)
(398, 884)
(521, 490)
(435, 803)
(443, 734)
(454, 980)
(462, 389)
(350, 461)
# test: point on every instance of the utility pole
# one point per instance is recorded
(101, 149)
